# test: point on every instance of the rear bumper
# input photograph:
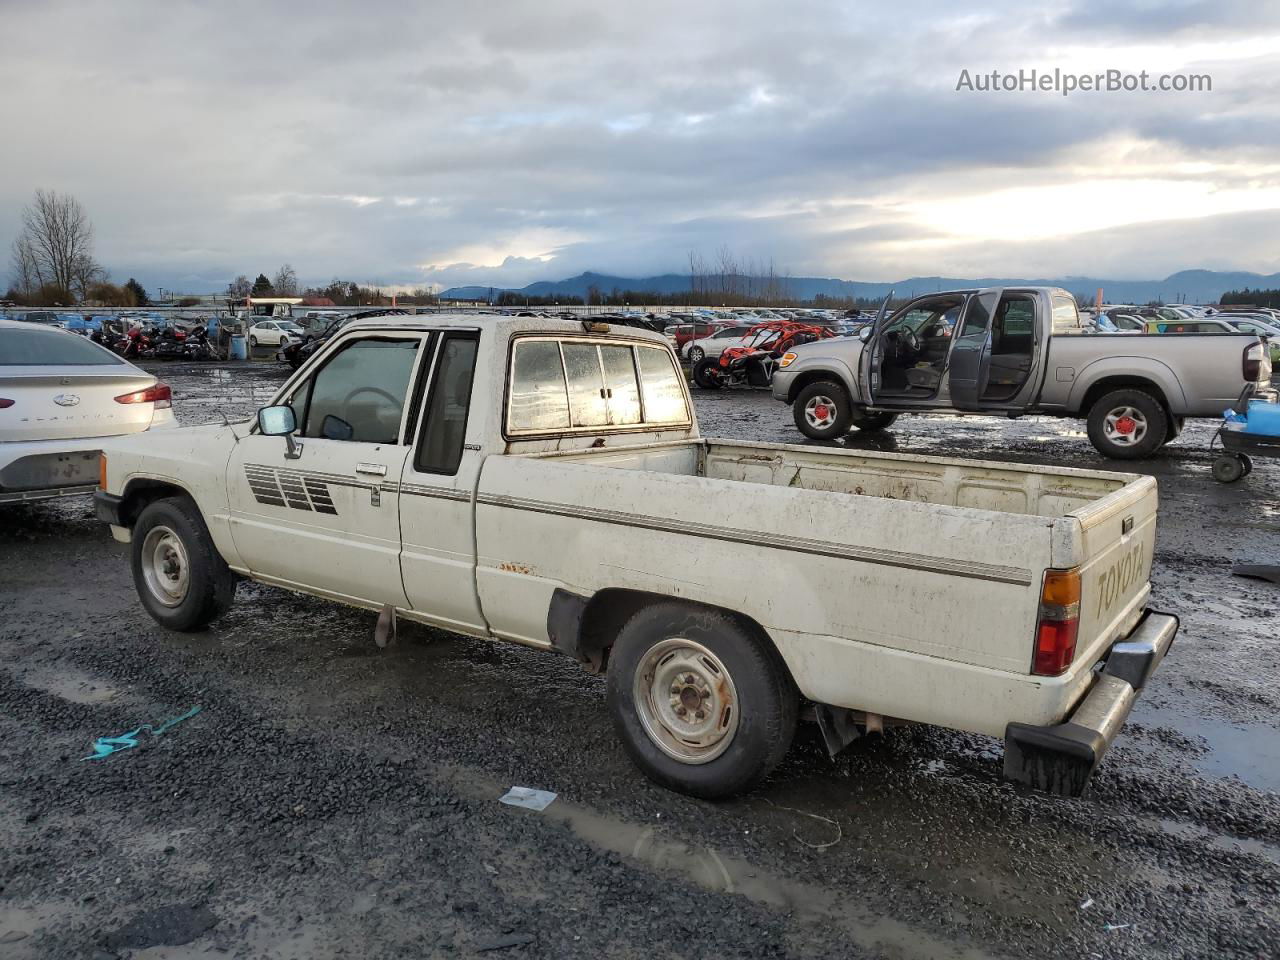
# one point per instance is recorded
(1061, 759)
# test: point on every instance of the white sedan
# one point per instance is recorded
(722, 340)
(61, 398)
(274, 332)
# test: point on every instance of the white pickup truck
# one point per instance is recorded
(543, 482)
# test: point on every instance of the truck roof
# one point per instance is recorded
(504, 326)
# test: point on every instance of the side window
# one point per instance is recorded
(660, 385)
(359, 395)
(538, 397)
(978, 316)
(1017, 316)
(440, 450)
(1065, 315)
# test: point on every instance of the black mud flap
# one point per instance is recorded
(1058, 760)
(564, 622)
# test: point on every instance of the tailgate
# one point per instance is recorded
(1114, 543)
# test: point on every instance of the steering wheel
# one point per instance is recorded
(911, 342)
(399, 405)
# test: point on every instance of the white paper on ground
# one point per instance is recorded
(527, 797)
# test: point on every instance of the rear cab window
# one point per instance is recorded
(592, 385)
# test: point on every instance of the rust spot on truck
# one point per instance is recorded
(515, 568)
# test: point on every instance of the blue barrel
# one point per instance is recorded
(238, 350)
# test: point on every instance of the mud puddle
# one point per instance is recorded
(1247, 751)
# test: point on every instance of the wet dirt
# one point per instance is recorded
(334, 800)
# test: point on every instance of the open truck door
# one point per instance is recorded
(970, 365)
(872, 356)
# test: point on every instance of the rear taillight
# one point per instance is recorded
(158, 393)
(1059, 623)
(5, 402)
(1257, 363)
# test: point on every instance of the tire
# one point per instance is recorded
(869, 422)
(703, 376)
(822, 410)
(1228, 468)
(1247, 462)
(696, 355)
(737, 747)
(1127, 424)
(172, 530)
(253, 341)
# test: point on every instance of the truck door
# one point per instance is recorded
(328, 518)
(872, 356)
(997, 356)
(437, 484)
(970, 358)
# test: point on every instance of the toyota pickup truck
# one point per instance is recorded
(1014, 351)
(543, 482)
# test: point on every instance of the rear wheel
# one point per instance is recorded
(822, 410)
(702, 704)
(1127, 424)
(705, 374)
(180, 577)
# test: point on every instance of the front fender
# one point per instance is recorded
(805, 370)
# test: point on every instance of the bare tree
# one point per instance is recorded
(239, 288)
(57, 239)
(286, 282)
(27, 275)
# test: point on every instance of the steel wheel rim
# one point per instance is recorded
(686, 700)
(164, 566)
(820, 412)
(1125, 426)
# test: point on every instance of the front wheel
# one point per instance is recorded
(181, 579)
(822, 410)
(253, 341)
(1127, 424)
(696, 355)
(702, 704)
(1228, 468)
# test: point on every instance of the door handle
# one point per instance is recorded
(374, 469)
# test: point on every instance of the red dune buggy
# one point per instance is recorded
(752, 364)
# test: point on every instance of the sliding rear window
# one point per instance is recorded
(590, 386)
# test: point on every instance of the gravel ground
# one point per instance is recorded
(333, 800)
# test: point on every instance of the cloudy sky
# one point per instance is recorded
(500, 143)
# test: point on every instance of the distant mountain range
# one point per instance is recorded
(1191, 286)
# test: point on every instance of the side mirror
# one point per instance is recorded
(277, 421)
(280, 421)
(864, 334)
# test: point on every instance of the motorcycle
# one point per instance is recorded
(197, 346)
(138, 343)
(170, 344)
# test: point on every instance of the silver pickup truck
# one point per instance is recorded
(1015, 351)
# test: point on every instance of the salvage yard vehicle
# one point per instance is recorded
(60, 395)
(543, 482)
(1016, 351)
(752, 365)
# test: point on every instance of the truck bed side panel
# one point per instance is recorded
(947, 582)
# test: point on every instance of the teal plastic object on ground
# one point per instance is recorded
(104, 747)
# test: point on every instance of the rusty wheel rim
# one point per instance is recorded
(686, 700)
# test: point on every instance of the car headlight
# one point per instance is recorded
(786, 359)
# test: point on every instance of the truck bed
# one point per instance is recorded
(891, 568)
